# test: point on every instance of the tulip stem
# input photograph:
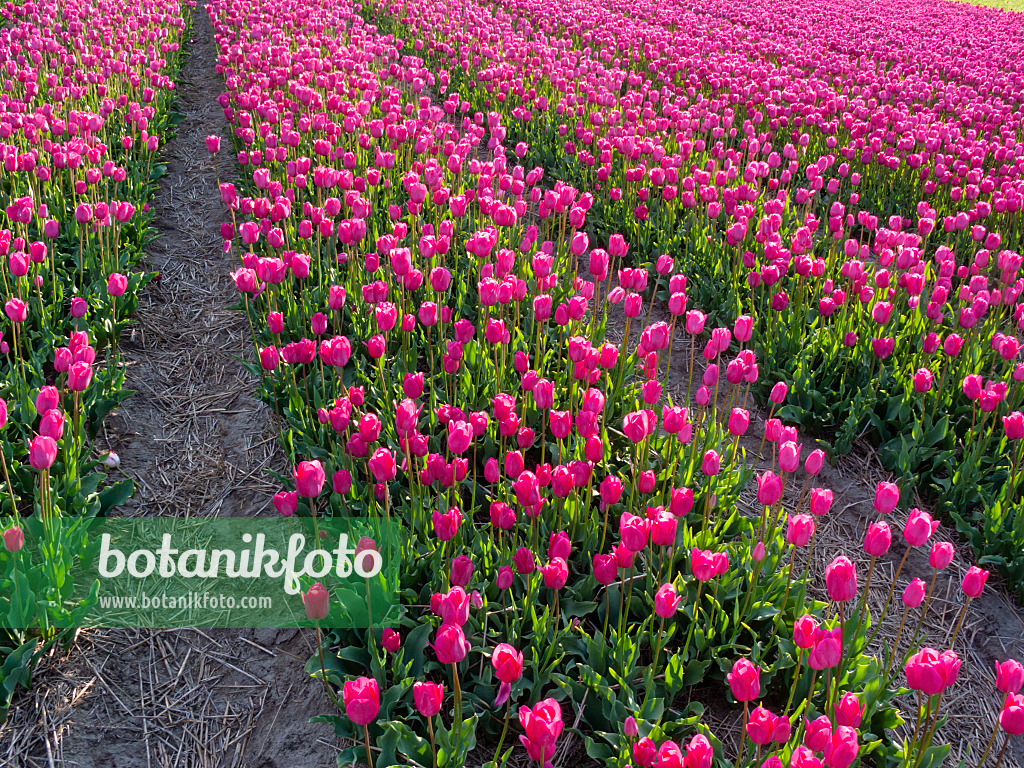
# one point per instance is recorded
(924, 608)
(10, 488)
(1006, 743)
(743, 732)
(926, 737)
(988, 747)
(796, 680)
(888, 597)
(895, 645)
(504, 732)
(369, 756)
(323, 669)
(960, 622)
(458, 711)
(654, 665)
(433, 749)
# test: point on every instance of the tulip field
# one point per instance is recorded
(590, 301)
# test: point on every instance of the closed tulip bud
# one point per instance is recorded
(760, 726)
(841, 579)
(878, 539)
(79, 376)
(461, 571)
(1011, 719)
(922, 380)
(913, 595)
(428, 698)
(711, 464)
(842, 749)
(670, 756)
(758, 553)
(1009, 676)
(341, 483)
(47, 399)
(743, 329)
(269, 358)
(14, 540)
(633, 530)
(799, 530)
(769, 488)
(611, 490)
(739, 420)
(317, 602)
(507, 663)
(42, 452)
(450, 643)
(666, 601)
(703, 564)
(931, 672)
(681, 501)
(286, 503)
(362, 700)
(382, 465)
(804, 631)
(645, 753)
(848, 711)
(605, 569)
(695, 320)
(887, 496)
(117, 284)
(699, 752)
(446, 524)
(52, 424)
(827, 650)
(309, 478)
(919, 528)
(78, 307)
(778, 393)
(504, 578)
(821, 501)
(817, 733)
(524, 561)
(814, 461)
(744, 680)
(941, 555)
(974, 581)
(630, 728)
(541, 726)
(391, 641)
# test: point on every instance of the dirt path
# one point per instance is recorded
(197, 442)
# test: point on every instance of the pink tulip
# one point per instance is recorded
(14, 540)
(919, 528)
(362, 700)
(428, 698)
(841, 579)
(974, 581)
(1009, 674)
(317, 602)
(542, 725)
(744, 680)
(666, 601)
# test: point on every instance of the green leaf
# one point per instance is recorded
(116, 495)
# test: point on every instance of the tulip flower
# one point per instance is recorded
(14, 539)
(542, 725)
(428, 698)
(744, 680)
